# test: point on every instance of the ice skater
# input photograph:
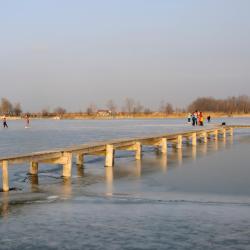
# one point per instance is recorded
(5, 125)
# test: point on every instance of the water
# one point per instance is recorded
(197, 198)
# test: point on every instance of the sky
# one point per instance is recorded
(73, 53)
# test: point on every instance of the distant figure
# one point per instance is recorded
(208, 118)
(5, 125)
(189, 117)
(27, 121)
(196, 117)
(223, 124)
(193, 119)
(200, 119)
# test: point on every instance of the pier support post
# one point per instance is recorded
(164, 145)
(33, 168)
(231, 131)
(109, 161)
(137, 150)
(179, 141)
(79, 159)
(5, 176)
(194, 139)
(67, 165)
(224, 133)
(205, 137)
(216, 134)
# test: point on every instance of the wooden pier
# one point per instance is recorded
(65, 156)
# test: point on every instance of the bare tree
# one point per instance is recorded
(111, 106)
(91, 109)
(6, 106)
(147, 111)
(45, 112)
(60, 111)
(166, 108)
(129, 105)
(162, 107)
(240, 104)
(17, 110)
(138, 108)
(169, 108)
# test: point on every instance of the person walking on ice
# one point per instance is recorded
(5, 125)
(27, 121)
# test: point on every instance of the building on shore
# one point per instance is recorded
(103, 112)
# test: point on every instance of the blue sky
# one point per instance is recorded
(72, 53)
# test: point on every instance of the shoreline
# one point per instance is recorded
(124, 117)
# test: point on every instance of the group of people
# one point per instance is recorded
(197, 119)
(27, 119)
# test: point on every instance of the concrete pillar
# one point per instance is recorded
(5, 176)
(164, 146)
(109, 161)
(223, 133)
(231, 131)
(137, 150)
(67, 165)
(179, 141)
(33, 168)
(194, 139)
(79, 159)
(205, 137)
(216, 134)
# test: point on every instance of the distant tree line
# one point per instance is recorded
(130, 106)
(230, 105)
(7, 108)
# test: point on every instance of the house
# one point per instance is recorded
(103, 112)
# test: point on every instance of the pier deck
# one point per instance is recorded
(64, 156)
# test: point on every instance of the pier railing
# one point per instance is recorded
(64, 156)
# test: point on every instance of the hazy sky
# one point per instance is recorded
(72, 53)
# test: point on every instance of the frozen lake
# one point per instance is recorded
(196, 198)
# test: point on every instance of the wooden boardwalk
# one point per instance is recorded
(64, 156)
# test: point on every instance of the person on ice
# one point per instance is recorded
(5, 125)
